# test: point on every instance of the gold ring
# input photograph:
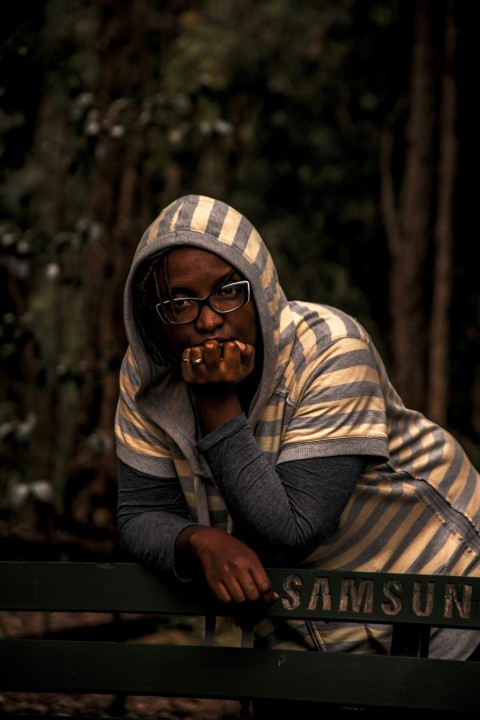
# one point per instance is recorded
(186, 360)
(197, 361)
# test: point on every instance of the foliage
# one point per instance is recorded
(274, 107)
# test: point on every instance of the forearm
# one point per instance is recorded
(283, 516)
(151, 513)
(150, 538)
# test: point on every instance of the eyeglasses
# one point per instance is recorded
(225, 299)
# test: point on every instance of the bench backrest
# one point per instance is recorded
(405, 679)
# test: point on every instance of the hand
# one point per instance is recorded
(232, 570)
(217, 366)
(214, 372)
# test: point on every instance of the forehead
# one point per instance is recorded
(189, 266)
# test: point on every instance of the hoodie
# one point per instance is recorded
(323, 392)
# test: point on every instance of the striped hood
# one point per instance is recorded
(212, 225)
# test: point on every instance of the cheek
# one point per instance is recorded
(175, 338)
(251, 326)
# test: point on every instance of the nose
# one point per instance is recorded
(208, 319)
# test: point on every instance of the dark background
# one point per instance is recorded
(343, 129)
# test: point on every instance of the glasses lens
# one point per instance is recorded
(229, 297)
(181, 310)
(224, 300)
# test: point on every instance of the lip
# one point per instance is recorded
(220, 340)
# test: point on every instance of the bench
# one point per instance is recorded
(405, 679)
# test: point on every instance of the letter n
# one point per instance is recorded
(451, 597)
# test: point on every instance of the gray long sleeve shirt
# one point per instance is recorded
(282, 513)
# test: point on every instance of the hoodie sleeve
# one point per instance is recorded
(340, 409)
(139, 443)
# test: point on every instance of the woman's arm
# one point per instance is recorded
(155, 529)
(151, 512)
(283, 513)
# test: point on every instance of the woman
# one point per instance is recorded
(253, 431)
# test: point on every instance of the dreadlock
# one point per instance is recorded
(146, 294)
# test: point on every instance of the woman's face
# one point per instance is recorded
(195, 273)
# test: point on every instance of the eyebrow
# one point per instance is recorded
(226, 278)
(222, 281)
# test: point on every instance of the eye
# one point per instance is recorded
(229, 291)
(180, 304)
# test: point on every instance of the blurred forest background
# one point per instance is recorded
(342, 128)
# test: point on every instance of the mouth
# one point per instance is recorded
(221, 341)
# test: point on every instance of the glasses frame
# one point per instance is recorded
(159, 307)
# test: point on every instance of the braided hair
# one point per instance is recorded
(145, 296)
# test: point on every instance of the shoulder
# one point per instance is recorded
(318, 326)
(326, 340)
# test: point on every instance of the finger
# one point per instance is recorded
(185, 365)
(264, 586)
(251, 589)
(196, 357)
(222, 592)
(236, 591)
(247, 353)
(212, 352)
(253, 592)
(270, 596)
(232, 353)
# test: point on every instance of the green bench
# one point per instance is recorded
(405, 679)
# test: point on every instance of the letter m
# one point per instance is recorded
(363, 594)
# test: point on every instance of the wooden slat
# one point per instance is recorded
(93, 587)
(305, 594)
(50, 666)
(411, 602)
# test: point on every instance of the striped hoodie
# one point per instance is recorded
(323, 392)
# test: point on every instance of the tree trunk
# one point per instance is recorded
(115, 213)
(439, 345)
(407, 221)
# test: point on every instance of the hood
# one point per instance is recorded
(211, 225)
